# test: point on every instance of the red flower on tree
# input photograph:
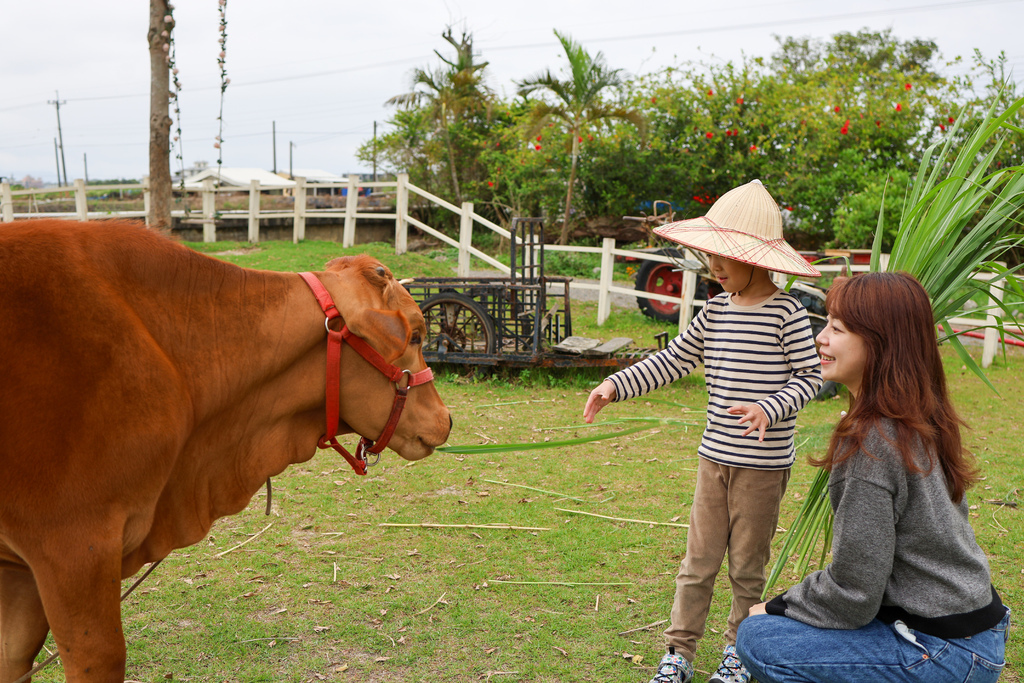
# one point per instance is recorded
(878, 123)
(753, 148)
(951, 119)
(837, 108)
(908, 86)
(654, 100)
(711, 93)
(942, 128)
(490, 183)
(538, 138)
(739, 100)
(709, 135)
(899, 107)
(537, 147)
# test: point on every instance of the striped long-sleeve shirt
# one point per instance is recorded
(761, 354)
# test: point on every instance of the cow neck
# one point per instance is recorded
(335, 340)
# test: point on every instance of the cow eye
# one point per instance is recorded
(416, 339)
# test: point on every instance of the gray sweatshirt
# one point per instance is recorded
(901, 549)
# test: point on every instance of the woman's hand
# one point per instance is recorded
(599, 398)
(755, 416)
(758, 609)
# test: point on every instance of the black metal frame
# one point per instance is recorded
(518, 309)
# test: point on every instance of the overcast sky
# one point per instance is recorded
(322, 69)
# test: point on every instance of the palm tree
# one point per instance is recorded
(578, 103)
(451, 93)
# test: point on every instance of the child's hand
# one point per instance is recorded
(755, 416)
(599, 398)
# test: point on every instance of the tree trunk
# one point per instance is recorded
(159, 120)
(451, 162)
(564, 237)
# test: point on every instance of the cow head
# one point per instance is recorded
(381, 311)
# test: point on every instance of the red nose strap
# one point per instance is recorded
(335, 339)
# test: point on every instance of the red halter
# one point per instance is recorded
(334, 342)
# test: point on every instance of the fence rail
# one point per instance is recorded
(468, 220)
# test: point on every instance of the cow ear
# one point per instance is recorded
(386, 331)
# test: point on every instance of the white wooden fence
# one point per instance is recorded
(468, 220)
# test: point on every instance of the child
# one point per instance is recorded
(761, 368)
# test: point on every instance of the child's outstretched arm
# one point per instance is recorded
(599, 398)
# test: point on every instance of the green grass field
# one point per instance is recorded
(322, 592)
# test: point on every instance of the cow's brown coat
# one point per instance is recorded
(145, 391)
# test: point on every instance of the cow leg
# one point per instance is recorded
(81, 594)
(23, 626)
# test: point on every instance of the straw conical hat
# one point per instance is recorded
(745, 224)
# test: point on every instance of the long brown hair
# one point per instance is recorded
(903, 377)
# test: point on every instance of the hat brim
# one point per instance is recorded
(705, 235)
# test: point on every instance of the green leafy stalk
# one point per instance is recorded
(475, 449)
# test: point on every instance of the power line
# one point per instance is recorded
(765, 24)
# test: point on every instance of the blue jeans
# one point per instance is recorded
(781, 650)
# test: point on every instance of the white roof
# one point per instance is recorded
(315, 175)
(237, 177)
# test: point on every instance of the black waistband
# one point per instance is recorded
(952, 625)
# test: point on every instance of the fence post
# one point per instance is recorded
(401, 212)
(254, 211)
(883, 262)
(6, 202)
(209, 211)
(988, 353)
(145, 196)
(299, 221)
(465, 238)
(81, 202)
(687, 295)
(348, 238)
(604, 298)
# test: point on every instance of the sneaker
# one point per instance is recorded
(731, 670)
(673, 668)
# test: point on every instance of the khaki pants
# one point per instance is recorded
(735, 509)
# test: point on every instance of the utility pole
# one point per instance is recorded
(85, 162)
(56, 155)
(291, 145)
(374, 151)
(57, 102)
(273, 129)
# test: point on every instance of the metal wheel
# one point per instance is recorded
(659, 278)
(457, 324)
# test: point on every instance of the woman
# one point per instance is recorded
(908, 596)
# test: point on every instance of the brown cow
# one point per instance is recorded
(147, 390)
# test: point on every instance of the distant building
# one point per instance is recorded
(239, 178)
